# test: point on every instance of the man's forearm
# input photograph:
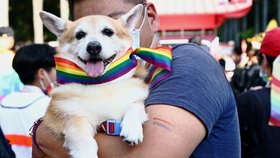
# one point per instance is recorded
(170, 132)
(111, 146)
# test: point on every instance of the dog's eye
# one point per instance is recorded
(79, 35)
(108, 32)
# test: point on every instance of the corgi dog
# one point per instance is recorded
(76, 110)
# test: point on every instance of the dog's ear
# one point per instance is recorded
(131, 18)
(55, 24)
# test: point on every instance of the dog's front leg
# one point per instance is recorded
(132, 124)
(79, 138)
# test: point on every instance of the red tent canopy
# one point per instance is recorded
(198, 14)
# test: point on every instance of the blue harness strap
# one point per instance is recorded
(111, 127)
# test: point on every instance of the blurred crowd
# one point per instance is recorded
(26, 75)
(242, 65)
(254, 76)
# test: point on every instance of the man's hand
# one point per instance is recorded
(170, 132)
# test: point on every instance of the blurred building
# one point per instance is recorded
(182, 19)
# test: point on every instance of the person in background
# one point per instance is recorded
(9, 80)
(237, 55)
(252, 55)
(253, 68)
(192, 113)
(246, 75)
(198, 41)
(222, 62)
(259, 128)
(5, 149)
(195, 40)
(35, 66)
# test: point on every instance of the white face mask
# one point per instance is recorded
(136, 32)
(50, 85)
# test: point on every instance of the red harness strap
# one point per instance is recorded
(33, 133)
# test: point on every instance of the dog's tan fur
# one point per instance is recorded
(76, 110)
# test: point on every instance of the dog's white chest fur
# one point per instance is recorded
(77, 110)
(105, 101)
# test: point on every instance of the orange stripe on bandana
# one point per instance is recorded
(19, 140)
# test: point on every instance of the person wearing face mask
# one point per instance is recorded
(35, 66)
(192, 113)
(259, 110)
(9, 80)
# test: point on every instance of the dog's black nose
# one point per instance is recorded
(94, 48)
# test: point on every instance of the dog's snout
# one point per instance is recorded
(94, 48)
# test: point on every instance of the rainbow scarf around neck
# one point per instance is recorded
(274, 119)
(160, 58)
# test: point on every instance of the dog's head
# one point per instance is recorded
(94, 42)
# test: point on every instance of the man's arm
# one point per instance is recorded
(170, 132)
(48, 143)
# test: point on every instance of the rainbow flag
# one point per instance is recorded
(160, 61)
(160, 58)
(274, 119)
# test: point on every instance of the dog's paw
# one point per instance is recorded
(86, 153)
(83, 148)
(132, 131)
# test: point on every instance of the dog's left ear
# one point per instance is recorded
(55, 24)
(131, 18)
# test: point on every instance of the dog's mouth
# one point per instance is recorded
(95, 66)
(109, 60)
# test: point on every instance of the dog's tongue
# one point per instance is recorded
(94, 69)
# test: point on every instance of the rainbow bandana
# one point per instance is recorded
(274, 119)
(160, 58)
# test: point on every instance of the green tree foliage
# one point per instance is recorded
(21, 19)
